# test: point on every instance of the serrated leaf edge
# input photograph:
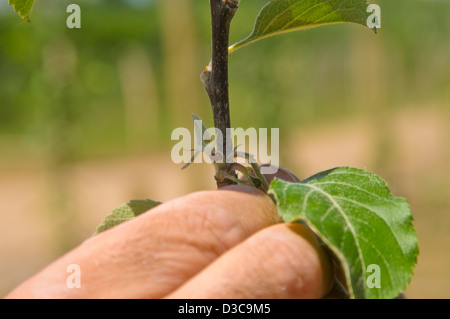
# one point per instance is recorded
(340, 258)
(250, 38)
(19, 12)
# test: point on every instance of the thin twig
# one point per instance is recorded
(215, 80)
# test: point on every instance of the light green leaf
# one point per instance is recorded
(22, 7)
(281, 16)
(355, 215)
(205, 135)
(126, 212)
(204, 130)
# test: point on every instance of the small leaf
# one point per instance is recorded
(354, 213)
(126, 212)
(22, 7)
(281, 16)
(204, 130)
(205, 136)
(192, 159)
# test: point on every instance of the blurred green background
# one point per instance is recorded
(86, 115)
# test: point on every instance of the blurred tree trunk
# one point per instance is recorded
(60, 60)
(140, 97)
(182, 65)
(370, 78)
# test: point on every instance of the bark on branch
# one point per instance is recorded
(215, 79)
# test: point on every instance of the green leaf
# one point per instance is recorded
(22, 7)
(355, 215)
(195, 117)
(281, 16)
(205, 135)
(126, 212)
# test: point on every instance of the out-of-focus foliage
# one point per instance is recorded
(71, 88)
(58, 83)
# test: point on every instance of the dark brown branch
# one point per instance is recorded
(215, 79)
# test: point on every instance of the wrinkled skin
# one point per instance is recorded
(227, 243)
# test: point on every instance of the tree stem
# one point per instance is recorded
(215, 81)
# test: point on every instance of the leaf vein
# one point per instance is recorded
(383, 259)
(339, 209)
(353, 186)
(377, 214)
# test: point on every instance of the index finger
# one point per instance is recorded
(155, 253)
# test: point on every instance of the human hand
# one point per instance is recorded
(226, 243)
